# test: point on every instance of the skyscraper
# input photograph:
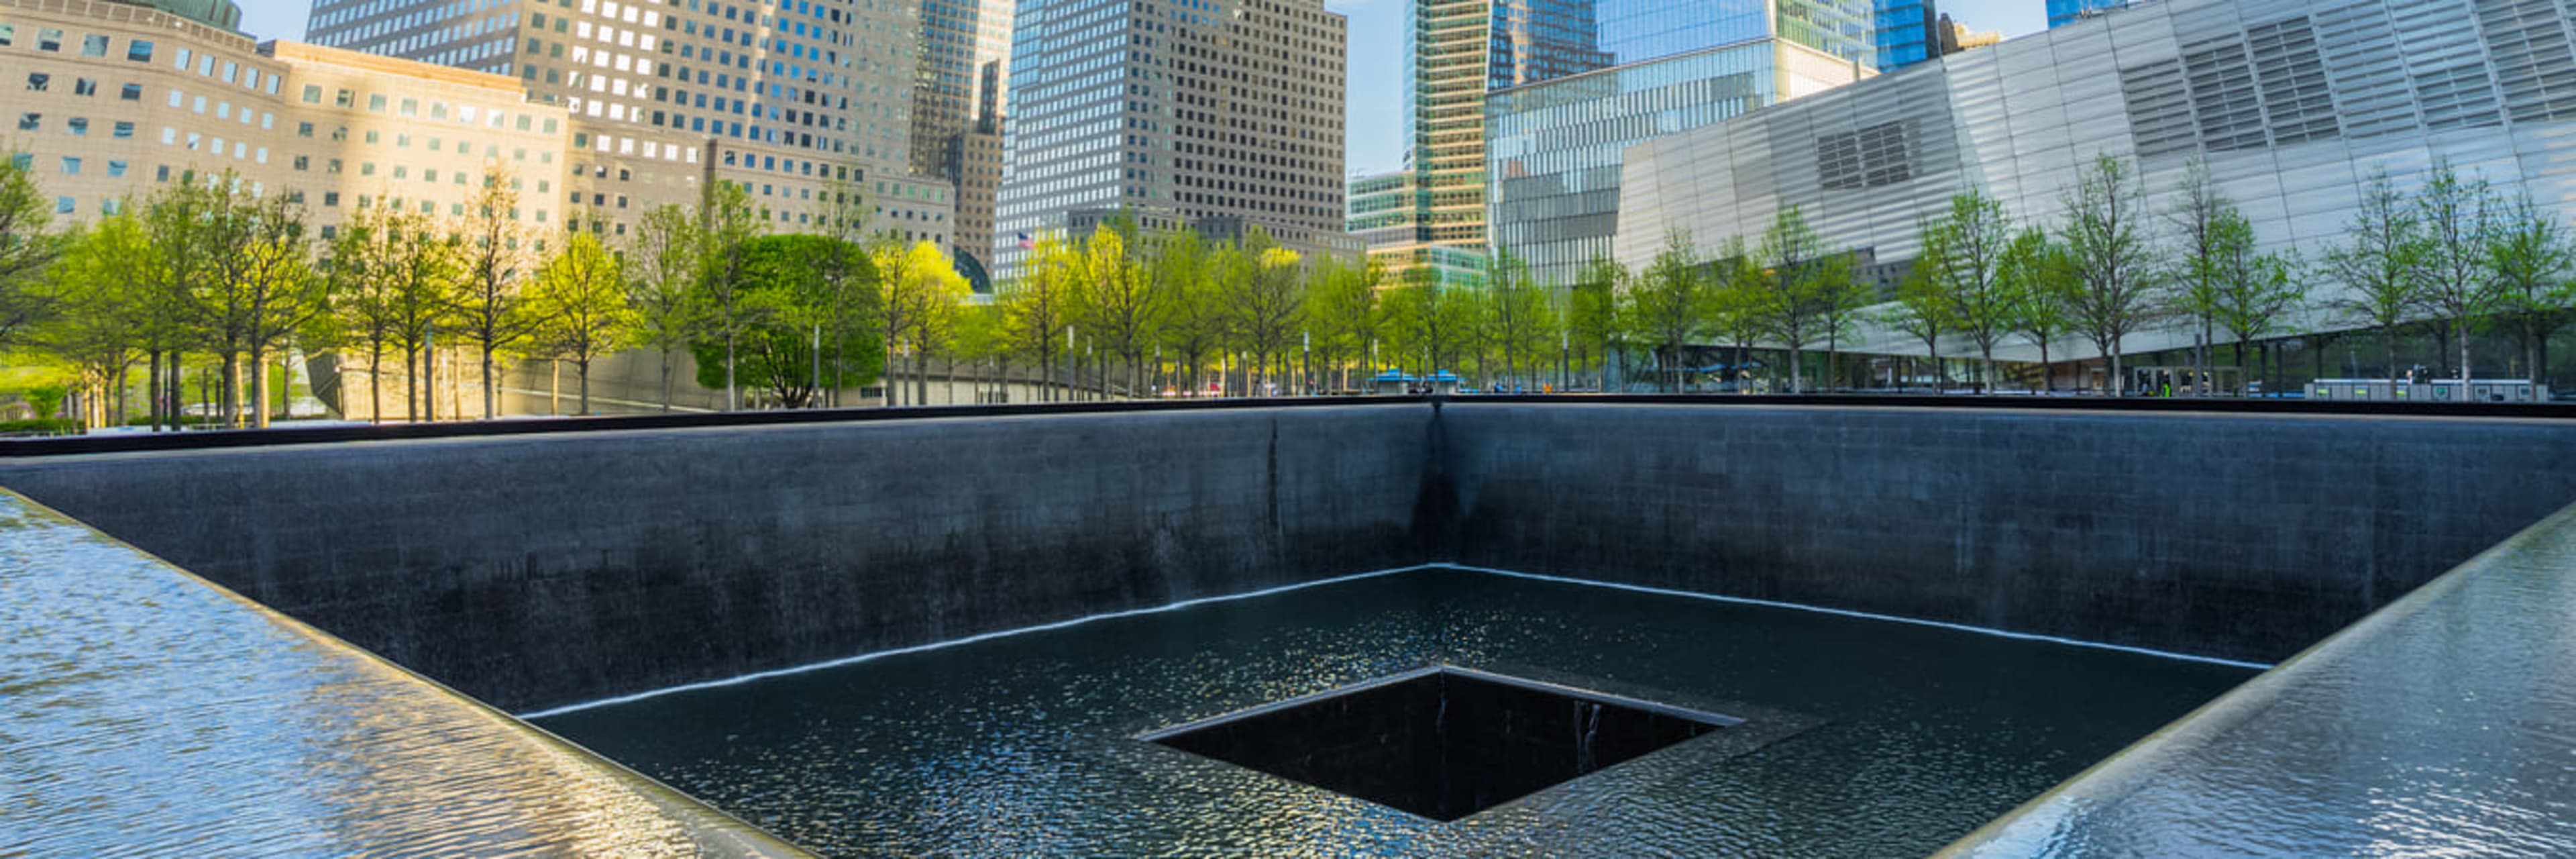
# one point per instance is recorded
(1465, 51)
(789, 99)
(1459, 51)
(1552, 166)
(1906, 33)
(1225, 114)
(956, 111)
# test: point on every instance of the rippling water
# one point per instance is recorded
(1023, 744)
(146, 713)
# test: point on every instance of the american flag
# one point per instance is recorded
(1027, 243)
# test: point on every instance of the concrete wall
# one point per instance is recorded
(2235, 536)
(542, 570)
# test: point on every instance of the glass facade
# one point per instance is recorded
(1542, 40)
(1384, 211)
(1464, 51)
(1556, 147)
(1905, 33)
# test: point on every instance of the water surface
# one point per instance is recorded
(1907, 736)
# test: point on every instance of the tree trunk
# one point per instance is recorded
(259, 388)
(2388, 342)
(731, 403)
(375, 384)
(2539, 361)
(152, 387)
(2467, 371)
(177, 393)
(233, 391)
(582, 368)
(666, 380)
(491, 398)
(429, 380)
(2047, 370)
(2119, 379)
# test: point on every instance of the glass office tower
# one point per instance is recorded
(1465, 50)
(1553, 150)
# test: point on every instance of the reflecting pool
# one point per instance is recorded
(1876, 738)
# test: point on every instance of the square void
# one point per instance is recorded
(1441, 742)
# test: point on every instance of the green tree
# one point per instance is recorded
(663, 270)
(392, 273)
(2381, 264)
(2202, 220)
(1520, 322)
(1924, 310)
(1341, 311)
(843, 212)
(984, 341)
(246, 275)
(98, 288)
(1037, 306)
(2459, 222)
(1123, 299)
(1740, 306)
(1425, 321)
(919, 289)
(1195, 326)
(2252, 290)
(726, 223)
(579, 296)
(2532, 257)
(2112, 259)
(1592, 315)
(1668, 304)
(1805, 278)
(782, 349)
(493, 308)
(28, 244)
(1841, 299)
(1264, 305)
(1963, 261)
(2034, 271)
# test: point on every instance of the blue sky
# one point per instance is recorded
(1376, 108)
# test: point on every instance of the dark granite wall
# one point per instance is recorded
(2235, 536)
(535, 571)
(540, 570)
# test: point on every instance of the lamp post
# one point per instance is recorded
(1306, 364)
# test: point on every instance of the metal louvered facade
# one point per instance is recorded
(2292, 104)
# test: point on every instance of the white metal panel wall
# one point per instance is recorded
(2292, 104)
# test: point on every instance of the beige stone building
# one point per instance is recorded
(106, 100)
(594, 112)
(791, 101)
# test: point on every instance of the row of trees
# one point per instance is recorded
(207, 268)
(1151, 309)
(2113, 264)
(2455, 254)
